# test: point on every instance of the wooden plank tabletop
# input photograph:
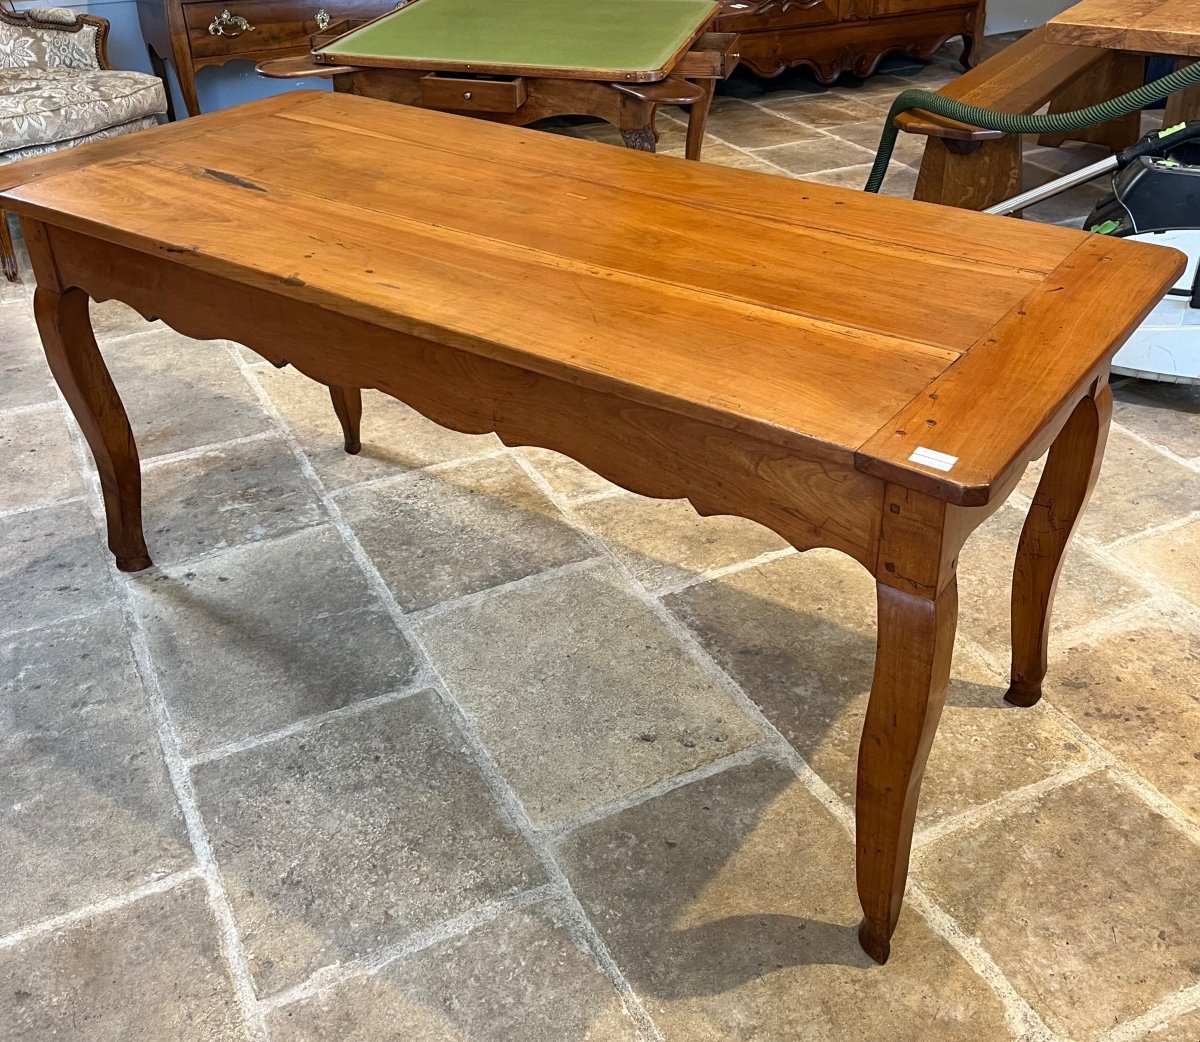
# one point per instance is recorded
(1170, 27)
(842, 325)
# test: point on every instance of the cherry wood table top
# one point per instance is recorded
(855, 372)
(1170, 27)
(841, 324)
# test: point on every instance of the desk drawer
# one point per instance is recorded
(713, 56)
(473, 95)
(747, 15)
(231, 27)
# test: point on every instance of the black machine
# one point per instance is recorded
(1156, 199)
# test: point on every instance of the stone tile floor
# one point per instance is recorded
(448, 742)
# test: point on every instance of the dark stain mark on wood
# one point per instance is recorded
(233, 179)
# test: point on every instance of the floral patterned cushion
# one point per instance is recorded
(58, 105)
(25, 46)
(145, 123)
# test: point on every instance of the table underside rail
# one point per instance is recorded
(646, 449)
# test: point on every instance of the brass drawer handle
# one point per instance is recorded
(220, 25)
(322, 17)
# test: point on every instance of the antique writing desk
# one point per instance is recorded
(852, 371)
(524, 60)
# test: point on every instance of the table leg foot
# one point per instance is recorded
(78, 368)
(873, 941)
(641, 139)
(1071, 471)
(1023, 694)
(347, 403)
(912, 672)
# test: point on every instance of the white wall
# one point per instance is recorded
(1007, 15)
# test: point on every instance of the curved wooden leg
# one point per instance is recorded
(641, 139)
(1071, 471)
(84, 380)
(969, 57)
(159, 67)
(347, 403)
(912, 671)
(698, 119)
(8, 252)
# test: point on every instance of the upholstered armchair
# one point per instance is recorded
(58, 91)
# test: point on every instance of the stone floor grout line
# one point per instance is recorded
(180, 777)
(557, 571)
(310, 723)
(1017, 1010)
(1134, 782)
(559, 831)
(506, 798)
(1139, 1028)
(108, 904)
(26, 410)
(1011, 802)
(336, 974)
(166, 459)
(415, 472)
(28, 509)
(63, 620)
(1148, 533)
(1022, 1019)
(721, 572)
(1162, 450)
(1149, 608)
(583, 498)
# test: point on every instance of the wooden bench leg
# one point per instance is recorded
(8, 252)
(1183, 106)
(1116, 74)
(1071, 471)
(971, 175)
(83, 378)
(912, 672)
(347, 403)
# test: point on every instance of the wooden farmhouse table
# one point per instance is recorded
(1166, 28)
(526, 60)
(855, 372)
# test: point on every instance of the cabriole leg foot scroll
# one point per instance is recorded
(1066, 484)
(912, 671)
(83, 378)
(347, 403)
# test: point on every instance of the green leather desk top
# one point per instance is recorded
(635, 40)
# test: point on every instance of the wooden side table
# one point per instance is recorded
(835, 36)
(194, 35)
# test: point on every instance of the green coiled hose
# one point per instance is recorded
(1051, 123)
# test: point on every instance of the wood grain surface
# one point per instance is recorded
(1170, 27)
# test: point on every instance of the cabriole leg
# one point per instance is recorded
(912, 671)
(83, 378)
(347, 403)
(1071, 471)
